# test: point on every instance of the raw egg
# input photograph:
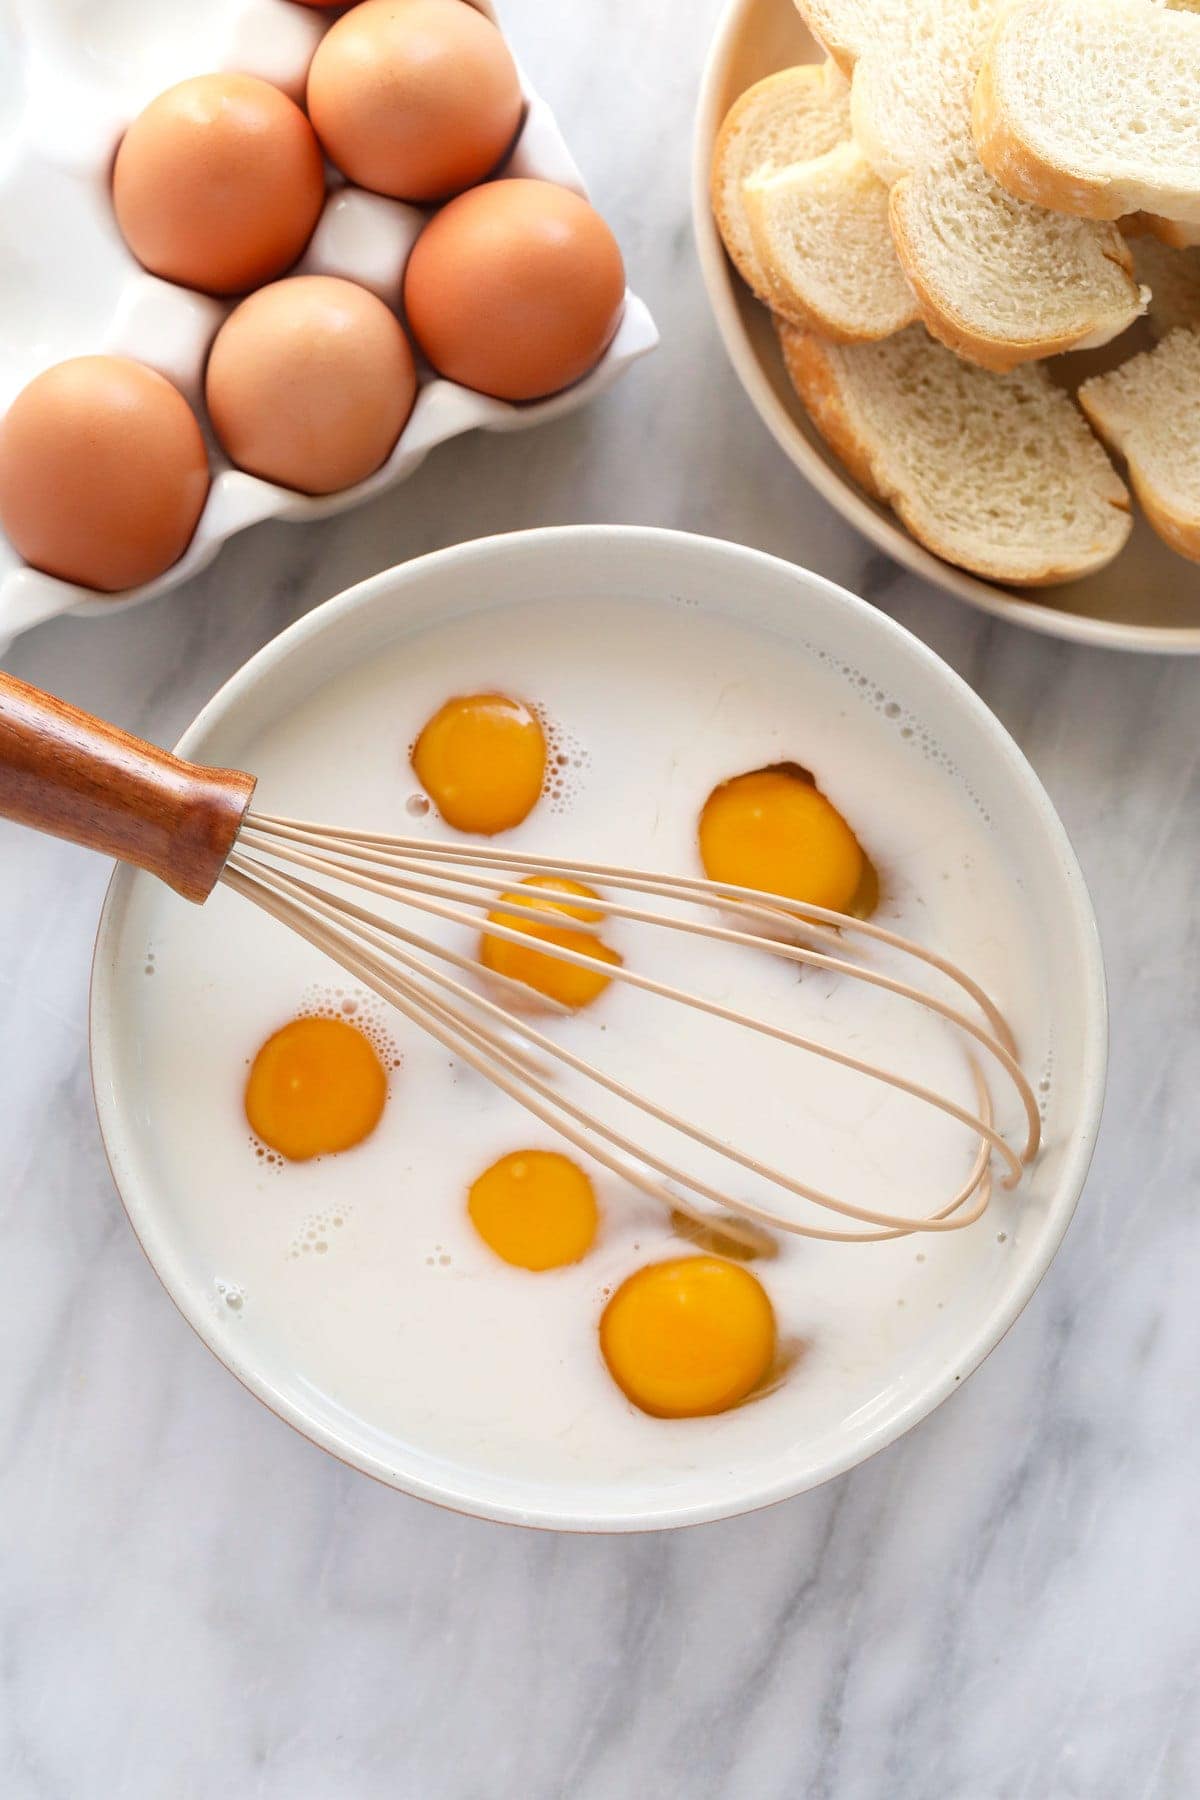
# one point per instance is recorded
(310, 382)
(414, 98)
(219, 183)
(515, 289)
(316, 1087)
(103, 472)
(568, 983)
(688, 1337)
(774, 829)
(482, 761)
(535, 1209)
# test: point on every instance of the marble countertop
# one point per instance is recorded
(1004, 1606)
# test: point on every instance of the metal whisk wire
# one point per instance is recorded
(459, 885)
(65, 772)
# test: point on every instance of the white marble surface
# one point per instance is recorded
(1004, 1606)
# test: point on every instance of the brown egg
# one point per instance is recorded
(515, 289)
(414, 98)
(309, 383)
(103, 472)
(219, 183)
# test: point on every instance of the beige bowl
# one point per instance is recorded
(1148, 599)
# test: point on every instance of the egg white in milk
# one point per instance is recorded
(362, 1273)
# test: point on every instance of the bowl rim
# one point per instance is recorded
(118, 1128)
(885, 532)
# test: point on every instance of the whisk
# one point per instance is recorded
(67, 773)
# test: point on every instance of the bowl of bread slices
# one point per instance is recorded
(953, 249)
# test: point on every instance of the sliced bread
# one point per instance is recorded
(909, 101)
(1148, 410)
(1173, 277)
(843, 27)
(1001, 282)
(1089, 106)
(789, 117)
(821, 236)
(997, 473)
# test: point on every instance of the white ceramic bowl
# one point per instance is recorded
(569, 566)
(1148, 599)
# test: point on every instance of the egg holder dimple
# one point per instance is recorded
(74, 288)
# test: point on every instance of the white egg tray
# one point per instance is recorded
(71, 79)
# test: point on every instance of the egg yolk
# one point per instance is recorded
(565, 982)
(534, 1208)
(774, 829)
(482, 761)
(316, 1087)
(688, 1337)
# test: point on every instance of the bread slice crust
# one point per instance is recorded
(821, 234)
(1061, 141)
(796, 113)
(1032, 292)
(894, 413)
(1147, 412)
(914, 207)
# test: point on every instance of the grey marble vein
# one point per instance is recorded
(1004, 1606)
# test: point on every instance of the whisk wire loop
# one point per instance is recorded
(461, 886)
(381, 848)
(421, 895)
(338, 943)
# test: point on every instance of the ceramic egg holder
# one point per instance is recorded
(78, 290)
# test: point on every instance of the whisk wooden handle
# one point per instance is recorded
(66, 773)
